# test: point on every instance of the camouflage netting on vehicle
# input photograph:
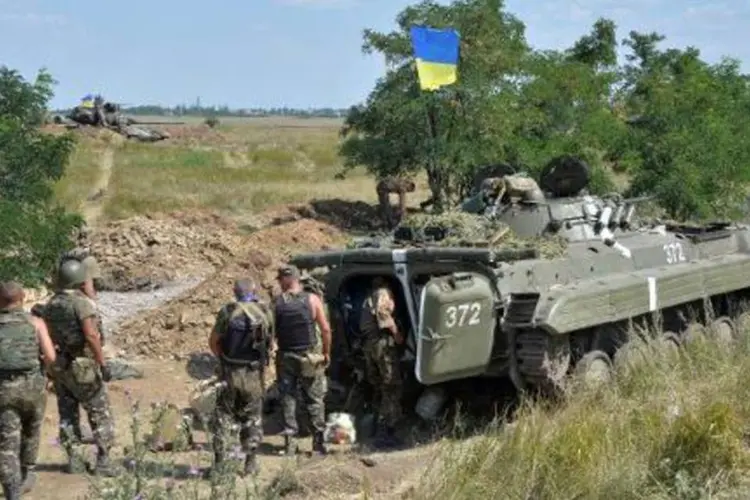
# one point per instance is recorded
(468, 230)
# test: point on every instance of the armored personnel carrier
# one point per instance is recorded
(95, 112)
(475, 313)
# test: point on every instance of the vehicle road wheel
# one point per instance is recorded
(694, 332)
(723, 330)
(669, 341)
(595, 368)
(630, 354)
(742, 324)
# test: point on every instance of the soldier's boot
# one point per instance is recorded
(104, 467)
(318, 443)
(252, 467)
(290, 445)
(29, 479)
(12, 491)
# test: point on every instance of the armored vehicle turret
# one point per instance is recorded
(476, 313)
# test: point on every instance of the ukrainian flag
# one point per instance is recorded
(436, 52)
(87, 101)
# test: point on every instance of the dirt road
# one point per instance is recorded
(341, 475)
(92, 208)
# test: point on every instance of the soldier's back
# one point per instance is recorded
(21, 380)
(62, 315)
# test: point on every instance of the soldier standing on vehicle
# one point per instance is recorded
(22, 390)
(384, 189)
(382, 359)
(241, 340)
(80, 372)
(301, 358)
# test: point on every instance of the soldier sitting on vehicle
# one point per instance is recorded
(495, 192)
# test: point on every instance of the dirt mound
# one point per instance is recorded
(144, 252)
(181, 327)
(346, 214)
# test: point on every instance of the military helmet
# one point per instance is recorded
(71, 274)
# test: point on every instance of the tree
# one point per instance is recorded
(690, 132)
(401, 129)
(673, 123)
(33, 229)
(565, 102)
(511, 103)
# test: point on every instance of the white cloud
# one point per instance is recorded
(32, 18)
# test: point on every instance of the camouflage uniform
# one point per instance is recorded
(22, 401)
(382, 359)
(77, 379)
(70, 412)
(240, 398)
(300, 369)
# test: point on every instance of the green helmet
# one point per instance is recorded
(71, 274)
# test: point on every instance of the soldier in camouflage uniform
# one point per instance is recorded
(22, 390)
(384, 189)
(301, 360)
(80, 372)
(241, 339)
(382, 359)
(93, 274)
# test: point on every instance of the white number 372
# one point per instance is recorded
(467, 314)
(674, 253)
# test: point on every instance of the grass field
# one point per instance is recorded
(241, 165)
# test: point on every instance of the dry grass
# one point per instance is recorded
(244, 165)
(258, 122)
(671, 425)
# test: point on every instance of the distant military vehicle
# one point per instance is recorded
(474, 314)
(95, 112)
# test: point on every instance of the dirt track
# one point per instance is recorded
(94, 205)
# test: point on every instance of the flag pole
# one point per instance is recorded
(436, 52)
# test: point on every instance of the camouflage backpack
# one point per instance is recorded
(19, 347)
(62, 321)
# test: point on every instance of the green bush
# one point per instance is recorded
(33, 229)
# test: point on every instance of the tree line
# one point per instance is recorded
(671, 123)
(226, 111)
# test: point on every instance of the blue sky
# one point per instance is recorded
(297, 53)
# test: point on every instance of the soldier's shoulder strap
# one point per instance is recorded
(255, 312)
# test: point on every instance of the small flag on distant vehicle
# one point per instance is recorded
(87, 101)
(436, 52)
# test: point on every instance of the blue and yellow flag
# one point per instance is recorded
(87, 101)
(436, 52)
